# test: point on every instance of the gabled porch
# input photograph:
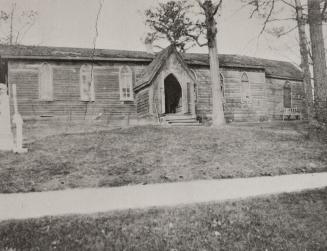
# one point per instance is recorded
(167, 87)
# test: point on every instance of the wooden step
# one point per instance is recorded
(179, 117)
(185, 124)
(181, 121)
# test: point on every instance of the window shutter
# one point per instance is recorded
(222, 87)
(245, 88)
(126, 83)
(87, 83)
(46, 83)
(287, 95)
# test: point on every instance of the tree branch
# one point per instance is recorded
(200, 3)
(267, 18)
(280, 19)
(218, 6)
(287, 3)
(286, 32)
(323, 12)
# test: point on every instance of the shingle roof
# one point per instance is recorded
(275, 68)
(22, 51)
(152, 69)
(149, 72)
(280, 69)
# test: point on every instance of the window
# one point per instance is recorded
(45, 82)
(126, 83)
(87, 83)
(245, 88)
(222, 87)
(287, 95)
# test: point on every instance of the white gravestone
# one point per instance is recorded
(6, 138)
(18, 121)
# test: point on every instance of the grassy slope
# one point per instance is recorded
(285, 222)
(155, 154)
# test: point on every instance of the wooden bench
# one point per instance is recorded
(289, 112)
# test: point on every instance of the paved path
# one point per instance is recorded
(83, 201)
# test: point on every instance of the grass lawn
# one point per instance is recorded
(153, 154)
(285, 222)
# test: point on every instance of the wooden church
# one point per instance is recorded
(112, 85)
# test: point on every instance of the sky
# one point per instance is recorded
(71, 23)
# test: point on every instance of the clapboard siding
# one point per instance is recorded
(142, 102)
(66, 89)
(266, 92)
(233, 107)
(275, 96)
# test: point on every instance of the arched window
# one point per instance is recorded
(87, 83)
(287, 95)
(126, 83)
(45, 82)
(245, 88)
(222, 84)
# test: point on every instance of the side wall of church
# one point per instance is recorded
(266, 95)
(66, 103)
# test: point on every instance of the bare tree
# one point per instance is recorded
(16, 24)
(266, 8)
(304, 51)
(316, 13)
(210, 10)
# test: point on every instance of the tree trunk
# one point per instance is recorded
(11, 24)
(319, 59)
(217, 104)
(210, 11)
(301, 22)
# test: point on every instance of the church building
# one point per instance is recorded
(112, 85)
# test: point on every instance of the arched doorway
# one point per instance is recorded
(173, 95)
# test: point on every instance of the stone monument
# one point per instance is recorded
(6, 138)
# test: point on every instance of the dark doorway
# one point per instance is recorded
(173, 95)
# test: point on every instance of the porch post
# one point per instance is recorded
(162, 95)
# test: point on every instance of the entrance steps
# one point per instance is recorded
(180, 120)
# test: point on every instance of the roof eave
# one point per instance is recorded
(146, 60)
(283, 77)
(139, 87)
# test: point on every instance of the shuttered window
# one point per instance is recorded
(287, 95)
(245, 88)
(87, 83)
(45, 82)
(126, 83)
(222, 86)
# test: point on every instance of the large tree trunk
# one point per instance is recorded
(217, 104)
(301, 22)
(318, 58)
(210, 11)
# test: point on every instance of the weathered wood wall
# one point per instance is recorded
(142, 102)
(66, 87)
(266, 92)
(266, 95)
(275, 94)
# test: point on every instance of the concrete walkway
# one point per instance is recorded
(84, 201)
